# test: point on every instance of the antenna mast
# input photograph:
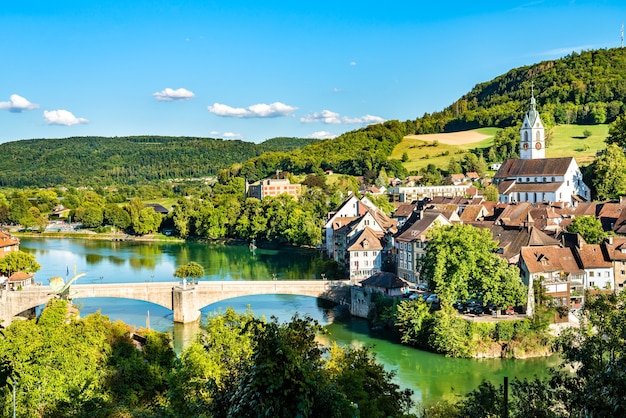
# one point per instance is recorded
(622, 34)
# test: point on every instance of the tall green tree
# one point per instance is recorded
(18, 261)
(617, 132)
(609, 172)
(589, 227)
(461, 261)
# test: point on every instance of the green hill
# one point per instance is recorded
(581, 89)
(124, 160)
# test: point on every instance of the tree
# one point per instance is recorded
(617, 132)
(609, 173)
(461, 261)
(18, 261)
(93, 216)
(116, 216)
(147, 221)
(491, 193)
(190, 270)
(589, 227)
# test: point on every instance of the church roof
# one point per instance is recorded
(513, 167)
(532, 114)
(386, 280)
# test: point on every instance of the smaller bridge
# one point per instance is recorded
(184, 300)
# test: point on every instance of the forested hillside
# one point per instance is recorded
(585, 88)
(124, 160)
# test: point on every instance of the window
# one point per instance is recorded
(365, 254)
(526, 136)
(538, 135)
(527, 180)
(592, 284)
(606, 274)
(591, 274)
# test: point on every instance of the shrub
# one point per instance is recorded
(505, 330)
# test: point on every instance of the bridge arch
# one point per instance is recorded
(185, 301)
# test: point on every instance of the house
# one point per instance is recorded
(457, 179)
(558, 271)
(20, 280)
(8, 244)
(272, 188)
(58, 212)
(534, 178)
(472, 176)
(598, 268)
(158, 208)
(614, 249)
(365, 254)
(350, 209)
(411, 245)
(386, 283)
(403, 212)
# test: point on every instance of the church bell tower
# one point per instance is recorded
(532, 138)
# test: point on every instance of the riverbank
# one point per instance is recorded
(91, 235)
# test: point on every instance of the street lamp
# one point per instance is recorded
(14, 383)
(323, 276)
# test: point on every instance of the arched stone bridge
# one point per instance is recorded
(185, 301)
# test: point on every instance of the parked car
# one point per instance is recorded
(423, 286)
(433, 298)
(509, 311)
(491, 308)
(414, 296)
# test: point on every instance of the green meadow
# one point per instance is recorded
(565, 141)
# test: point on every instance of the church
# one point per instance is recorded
(533, 177)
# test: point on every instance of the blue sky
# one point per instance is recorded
(254, 70)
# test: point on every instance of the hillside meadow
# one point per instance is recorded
(438, 149)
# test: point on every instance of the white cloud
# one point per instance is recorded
(364, 120)
(228, 135)
(232, 135)
(62, 117)
(352, 63)
(331, 118)
(322, 135)
(17, 104)
(325, 116)
(171, 95)
(261, 110)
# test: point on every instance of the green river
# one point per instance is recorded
(431, 376)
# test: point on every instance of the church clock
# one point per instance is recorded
(538, 145)
(525, 145)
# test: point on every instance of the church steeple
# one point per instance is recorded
(532, 138)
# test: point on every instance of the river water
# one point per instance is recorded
(431, 376)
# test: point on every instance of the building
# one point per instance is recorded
(273, 187)
(614, 249)
(534, 178)
(558, 271)
(8, 244)
(386, 283)
(365, 254)
(411, 245)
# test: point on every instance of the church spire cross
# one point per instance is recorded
(533, 102)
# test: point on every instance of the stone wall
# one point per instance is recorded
(360, 302)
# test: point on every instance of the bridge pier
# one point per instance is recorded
(184, 304)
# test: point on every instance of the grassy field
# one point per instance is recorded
(569, 141)
(425, 149)
(566, 141)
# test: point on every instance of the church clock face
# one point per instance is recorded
(525, 145)
(538, 145)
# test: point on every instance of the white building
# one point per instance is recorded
(534, 178)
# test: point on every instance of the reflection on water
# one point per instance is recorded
(431, 376)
